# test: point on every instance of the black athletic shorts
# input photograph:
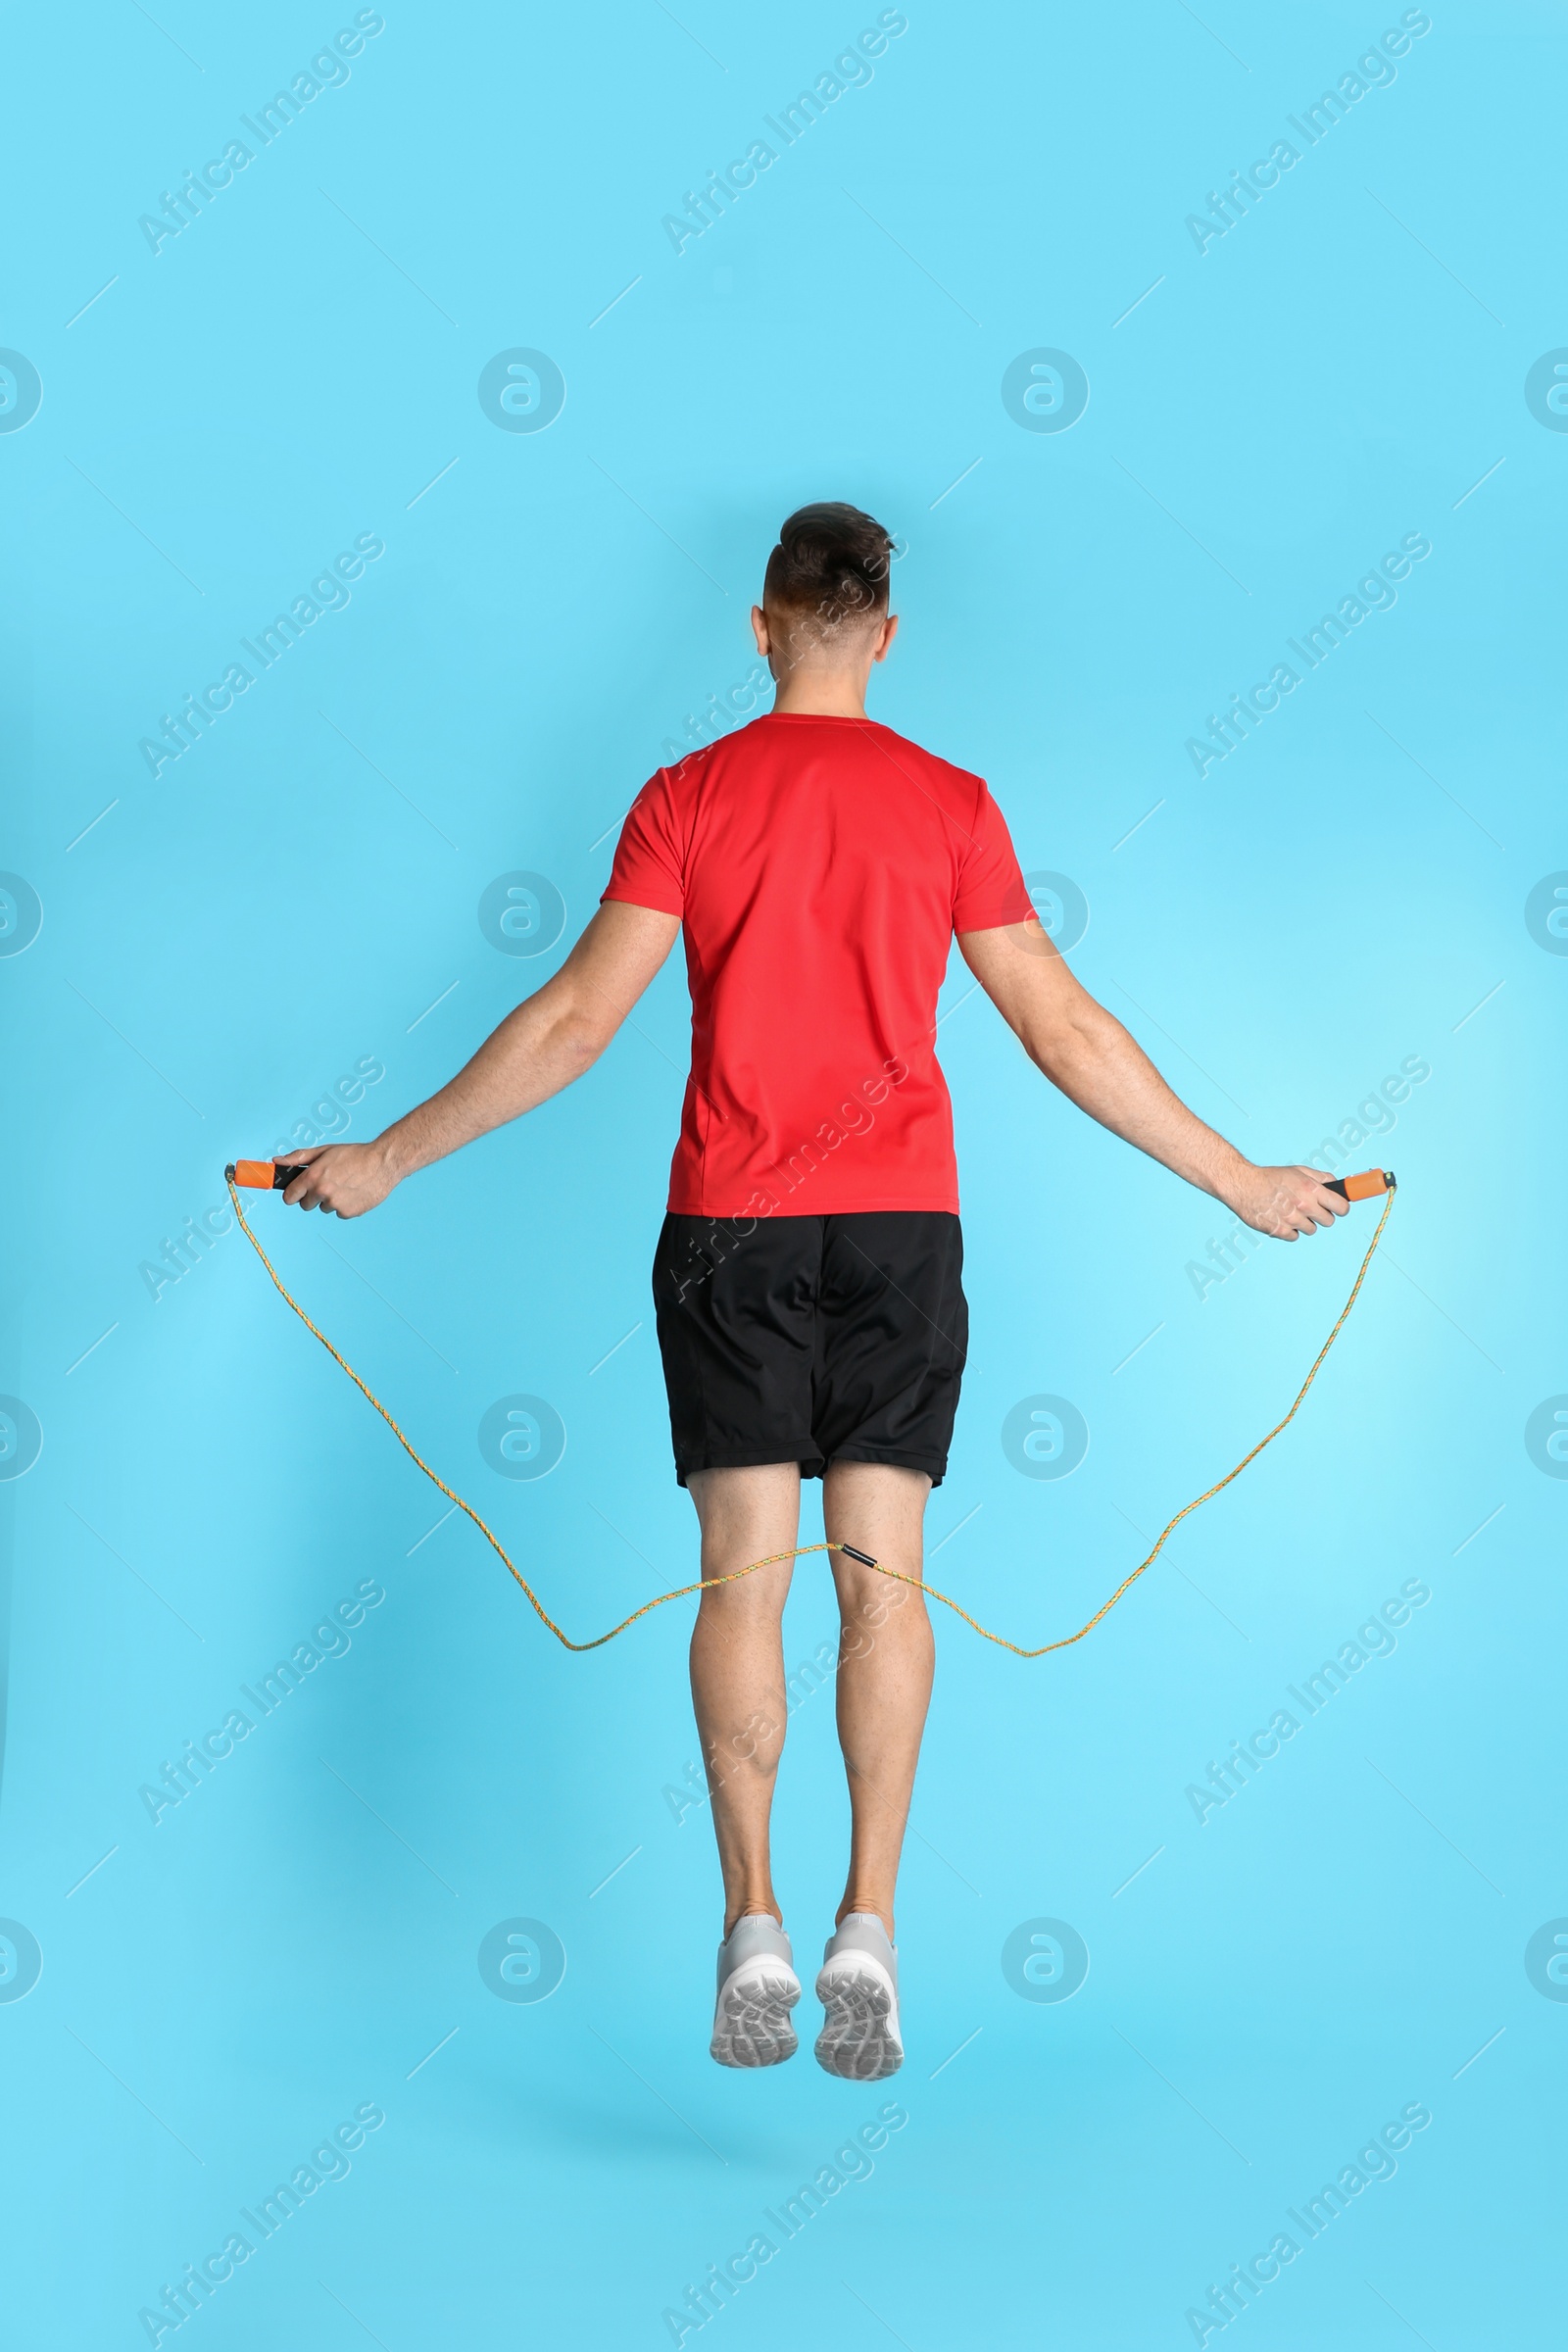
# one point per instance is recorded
(812, 1340)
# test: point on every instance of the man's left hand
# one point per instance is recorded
(345, 1177)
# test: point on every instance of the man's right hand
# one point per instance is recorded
(1283, 1201)
(346, 1179)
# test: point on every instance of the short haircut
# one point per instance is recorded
(831, 565)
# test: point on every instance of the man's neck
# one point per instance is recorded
(820, 694)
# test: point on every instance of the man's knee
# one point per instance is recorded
(757, 1597)
(871, 1604)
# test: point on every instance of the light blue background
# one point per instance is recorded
(299, 892)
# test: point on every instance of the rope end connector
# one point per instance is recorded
(850, 1553)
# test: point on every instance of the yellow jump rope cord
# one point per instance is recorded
(799, 1551)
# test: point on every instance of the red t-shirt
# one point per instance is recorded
(819, 867)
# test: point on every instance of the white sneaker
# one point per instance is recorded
(859, 1987)
(757, 1988)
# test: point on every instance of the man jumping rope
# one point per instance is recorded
(807, 1277)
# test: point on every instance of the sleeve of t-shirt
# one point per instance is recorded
(991, 890)
(647, 872)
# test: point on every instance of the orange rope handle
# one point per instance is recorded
(799, 1551)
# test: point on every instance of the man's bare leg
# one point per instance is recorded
(886, 1661)
(737, 1667)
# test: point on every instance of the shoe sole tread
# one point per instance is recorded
(859, 2042)
(753, 2027)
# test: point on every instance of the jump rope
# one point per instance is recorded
(267, 1175)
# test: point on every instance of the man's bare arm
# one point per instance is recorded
(1084, 1050)
(541, 1047)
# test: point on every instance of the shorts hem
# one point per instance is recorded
(750, 1458)
(809, 1459)
(935, 1465)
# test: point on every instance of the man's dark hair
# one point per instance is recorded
(831, 563)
